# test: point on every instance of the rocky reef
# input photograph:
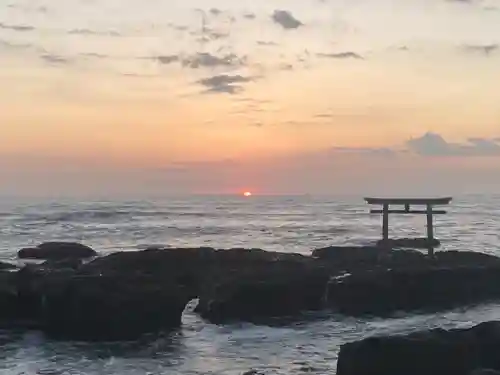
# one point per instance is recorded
(76, 295)
(470, 351)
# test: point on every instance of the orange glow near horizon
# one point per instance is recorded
(247, 194)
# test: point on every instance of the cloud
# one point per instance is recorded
(286, 20)
(16, 27)
(93, 32)
(202, 60)
(249, 16)
(224, 83)
(15, 46)
(487, 49)
(341, 55)
(167, 59)
(266, 43)
(95, 55)
(432, 144)
(54, 59)
(286, 66)
(211, 34)
(207, 60)
(215, 11)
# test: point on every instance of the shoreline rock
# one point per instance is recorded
(123, 294)
(444, 352)
(57, 251)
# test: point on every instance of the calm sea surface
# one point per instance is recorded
(289, 224)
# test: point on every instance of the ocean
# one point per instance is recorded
(288, 224)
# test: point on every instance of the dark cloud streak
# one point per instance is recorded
(341, 55)
(20, 28)
(286, 20)
(224, 83)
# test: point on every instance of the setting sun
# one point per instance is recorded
(247, 194)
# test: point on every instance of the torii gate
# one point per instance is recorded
(407, 203)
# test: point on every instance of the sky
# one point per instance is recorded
(153, 97)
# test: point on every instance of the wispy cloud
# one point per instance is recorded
(167, 59)
(249, 16)
(215, 11)
(203, 60)
(14, 46)
(286, 20)
(486, 49)
(93, 32)
(432, 144)
(341, 55)
(20, 28)
(224, 83)
(54, 59)
(266, 43)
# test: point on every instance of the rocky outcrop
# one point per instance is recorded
(409, 243)
(453, 352)
(57, 251)
(355, 258)
(64, 304)
(265, 294)
(125, 294)
(7, 266)
(97, 308)
(384, 292)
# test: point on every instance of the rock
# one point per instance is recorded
(440, 352)
(463, 258)
(193, 266)
(252, 372)
(9, 310)
(16, 311)
(263, 295)
(410, 243)
(101, 308)
(382, 292)
(351, 258)
(347, 253)
(7, 266)
(66, 305)
(72, 263)
(57, 251)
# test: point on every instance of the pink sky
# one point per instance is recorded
(274, 96)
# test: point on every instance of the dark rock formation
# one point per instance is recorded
(362, 258)
(64, 304)
(7, 266)
(352, 258)
(383, 292)
(410, 243)
(267, 294)
(125, 294)
(71, 263)
(111, 308)
(57, 251)
(440, 352)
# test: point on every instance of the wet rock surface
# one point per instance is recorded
(125, 294)
(57, 251)
(454, 352)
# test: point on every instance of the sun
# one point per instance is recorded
(247, 194)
